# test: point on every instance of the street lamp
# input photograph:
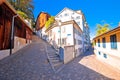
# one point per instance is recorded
(12, 33)
(59, 23)
(61, 50)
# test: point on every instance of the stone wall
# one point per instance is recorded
(68, 54)
(18, 44)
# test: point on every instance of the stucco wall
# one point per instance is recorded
(65, 30)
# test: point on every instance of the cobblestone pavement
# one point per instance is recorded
(31, 63)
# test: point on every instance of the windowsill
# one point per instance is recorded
(104, 47)
(113, 48)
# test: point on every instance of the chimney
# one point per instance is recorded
(79, 11)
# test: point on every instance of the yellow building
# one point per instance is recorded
(107, 47)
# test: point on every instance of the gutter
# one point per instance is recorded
(12, 33)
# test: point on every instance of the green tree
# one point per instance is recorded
(102, 29)
(22, 14)
(24, 8)
(49, 22)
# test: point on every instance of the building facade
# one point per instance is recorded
(67, 14)
(70, 28)
(40, 24)
(22, 32)
(107, 47)
(66, 34)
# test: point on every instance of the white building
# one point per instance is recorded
(67, 14)
(67, 34)
(72, 30)
(107, 47)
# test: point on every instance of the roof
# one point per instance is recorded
(70, 10)
(76, 11)
(108, 32)
(15, 13)
(65, 23)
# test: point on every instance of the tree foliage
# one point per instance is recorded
(22, 14)
(24, 8)
(49, 22)
(102, 29)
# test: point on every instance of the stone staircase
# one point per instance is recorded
(54, 58)
(52, 54)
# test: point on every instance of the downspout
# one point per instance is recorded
(12, 33)
(74, 41)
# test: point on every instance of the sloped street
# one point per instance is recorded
(32, 63)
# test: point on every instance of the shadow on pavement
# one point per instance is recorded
(76, 71)
(88, 52)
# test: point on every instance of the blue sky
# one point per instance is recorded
(95, 11)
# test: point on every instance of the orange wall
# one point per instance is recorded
(107, 36)
(42, 18)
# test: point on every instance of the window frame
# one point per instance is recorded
(113, 41)
(98, 42)
(104, 42)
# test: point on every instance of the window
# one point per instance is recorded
(75, 42)
(64, 41)
(113, 41)
(78, 17)
(79, 42)
(1, 11)
(98, 42)
(104, 42)
(99, 53)
(66, 14)
(95, 42)
(68, 34)
(60, 15)
(58, 31)
(104, 55)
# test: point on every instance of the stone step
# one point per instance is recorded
(57, 64)
(54, 58)
(55, 61)
(54, 55)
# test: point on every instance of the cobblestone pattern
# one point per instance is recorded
(31, 63)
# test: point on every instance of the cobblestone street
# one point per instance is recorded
(30, 63)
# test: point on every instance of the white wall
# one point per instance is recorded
(69, 30)
(79, 18)
(71, 15)
(115, 52)
(65, 30)
(113, 55)
(77, 45)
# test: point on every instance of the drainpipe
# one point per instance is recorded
(12, 33)
(74, 42)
